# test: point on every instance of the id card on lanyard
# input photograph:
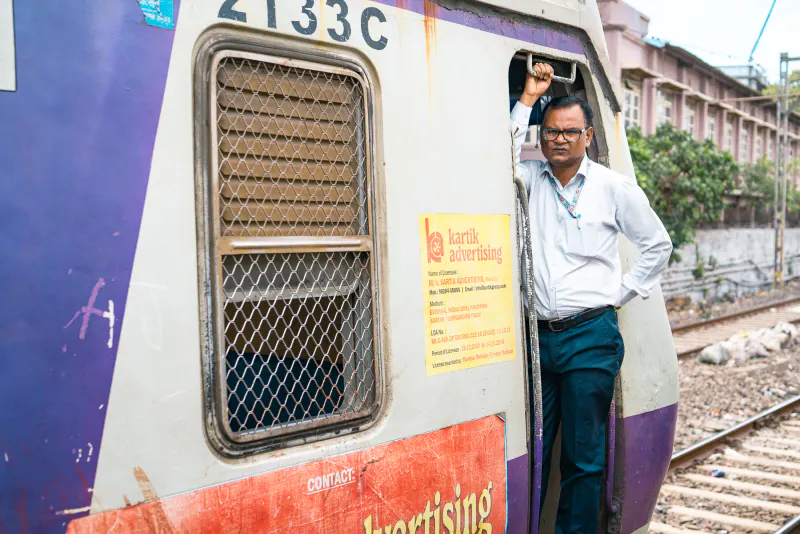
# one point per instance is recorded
(570, 206)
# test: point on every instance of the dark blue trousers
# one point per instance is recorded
(579, 367)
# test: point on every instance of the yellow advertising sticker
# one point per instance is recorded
(467, 288)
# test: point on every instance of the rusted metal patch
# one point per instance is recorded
(454, 478)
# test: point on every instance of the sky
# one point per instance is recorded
(723, 32)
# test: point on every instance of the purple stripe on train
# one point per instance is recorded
(76, 142)
(644, 450)
(492, 24)
(518, 494)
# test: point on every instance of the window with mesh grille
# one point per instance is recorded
(293, 246)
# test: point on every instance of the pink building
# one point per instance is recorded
(665, 83)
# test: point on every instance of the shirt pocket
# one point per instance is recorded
(584, 238)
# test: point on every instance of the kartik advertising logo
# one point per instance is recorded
(435, 244)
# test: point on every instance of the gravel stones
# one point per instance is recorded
(713, 398)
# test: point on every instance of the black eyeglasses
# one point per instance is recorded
(571, 136)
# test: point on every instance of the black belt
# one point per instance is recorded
(559, 325)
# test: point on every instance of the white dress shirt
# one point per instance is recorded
(576, 261)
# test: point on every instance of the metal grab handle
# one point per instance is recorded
(555, 78)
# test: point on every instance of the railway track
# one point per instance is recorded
(744, 479)
(692, 338)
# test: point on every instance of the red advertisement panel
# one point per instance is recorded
(451, 481)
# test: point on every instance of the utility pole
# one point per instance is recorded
(785, 109)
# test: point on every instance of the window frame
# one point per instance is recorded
(728, 136)
(690, 113)
(220, 43)
(632, 90)
(759, 147)
(711, 126)
(744, 144)
(665, 101)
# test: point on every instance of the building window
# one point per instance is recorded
(664, 107)
(690, 117)
(633, 99)
(759, 147)
(290, 231)
(744, 144)
(711, 130)
(729, 136)
(771, 147)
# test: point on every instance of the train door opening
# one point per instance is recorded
(516, 83)
(569, 81)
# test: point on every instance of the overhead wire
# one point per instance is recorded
(761, 33)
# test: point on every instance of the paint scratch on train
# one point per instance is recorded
(171, 395)
(430, 13)
(156, 517)
(152, 335)
(89, 310)
(145, 485)
(73, 511)
(110, 316)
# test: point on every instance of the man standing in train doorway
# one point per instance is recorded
(577, 210)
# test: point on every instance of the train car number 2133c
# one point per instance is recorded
(306, 23)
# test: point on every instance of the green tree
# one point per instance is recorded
(793, 166)
(792, 193)
(794, 90)
(758, 181)
(794, 85)
(684, 179)
(792, 198)
(759, 184)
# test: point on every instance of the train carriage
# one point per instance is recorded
(264, 264)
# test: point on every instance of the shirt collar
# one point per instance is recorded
(583, 171)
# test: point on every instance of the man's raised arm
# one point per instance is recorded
(535, 87)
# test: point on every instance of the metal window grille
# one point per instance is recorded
(292, 237)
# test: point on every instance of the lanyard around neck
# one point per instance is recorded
(570, 206)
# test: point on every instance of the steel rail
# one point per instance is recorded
(693, 451)
(734, 315)
(792, 526)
